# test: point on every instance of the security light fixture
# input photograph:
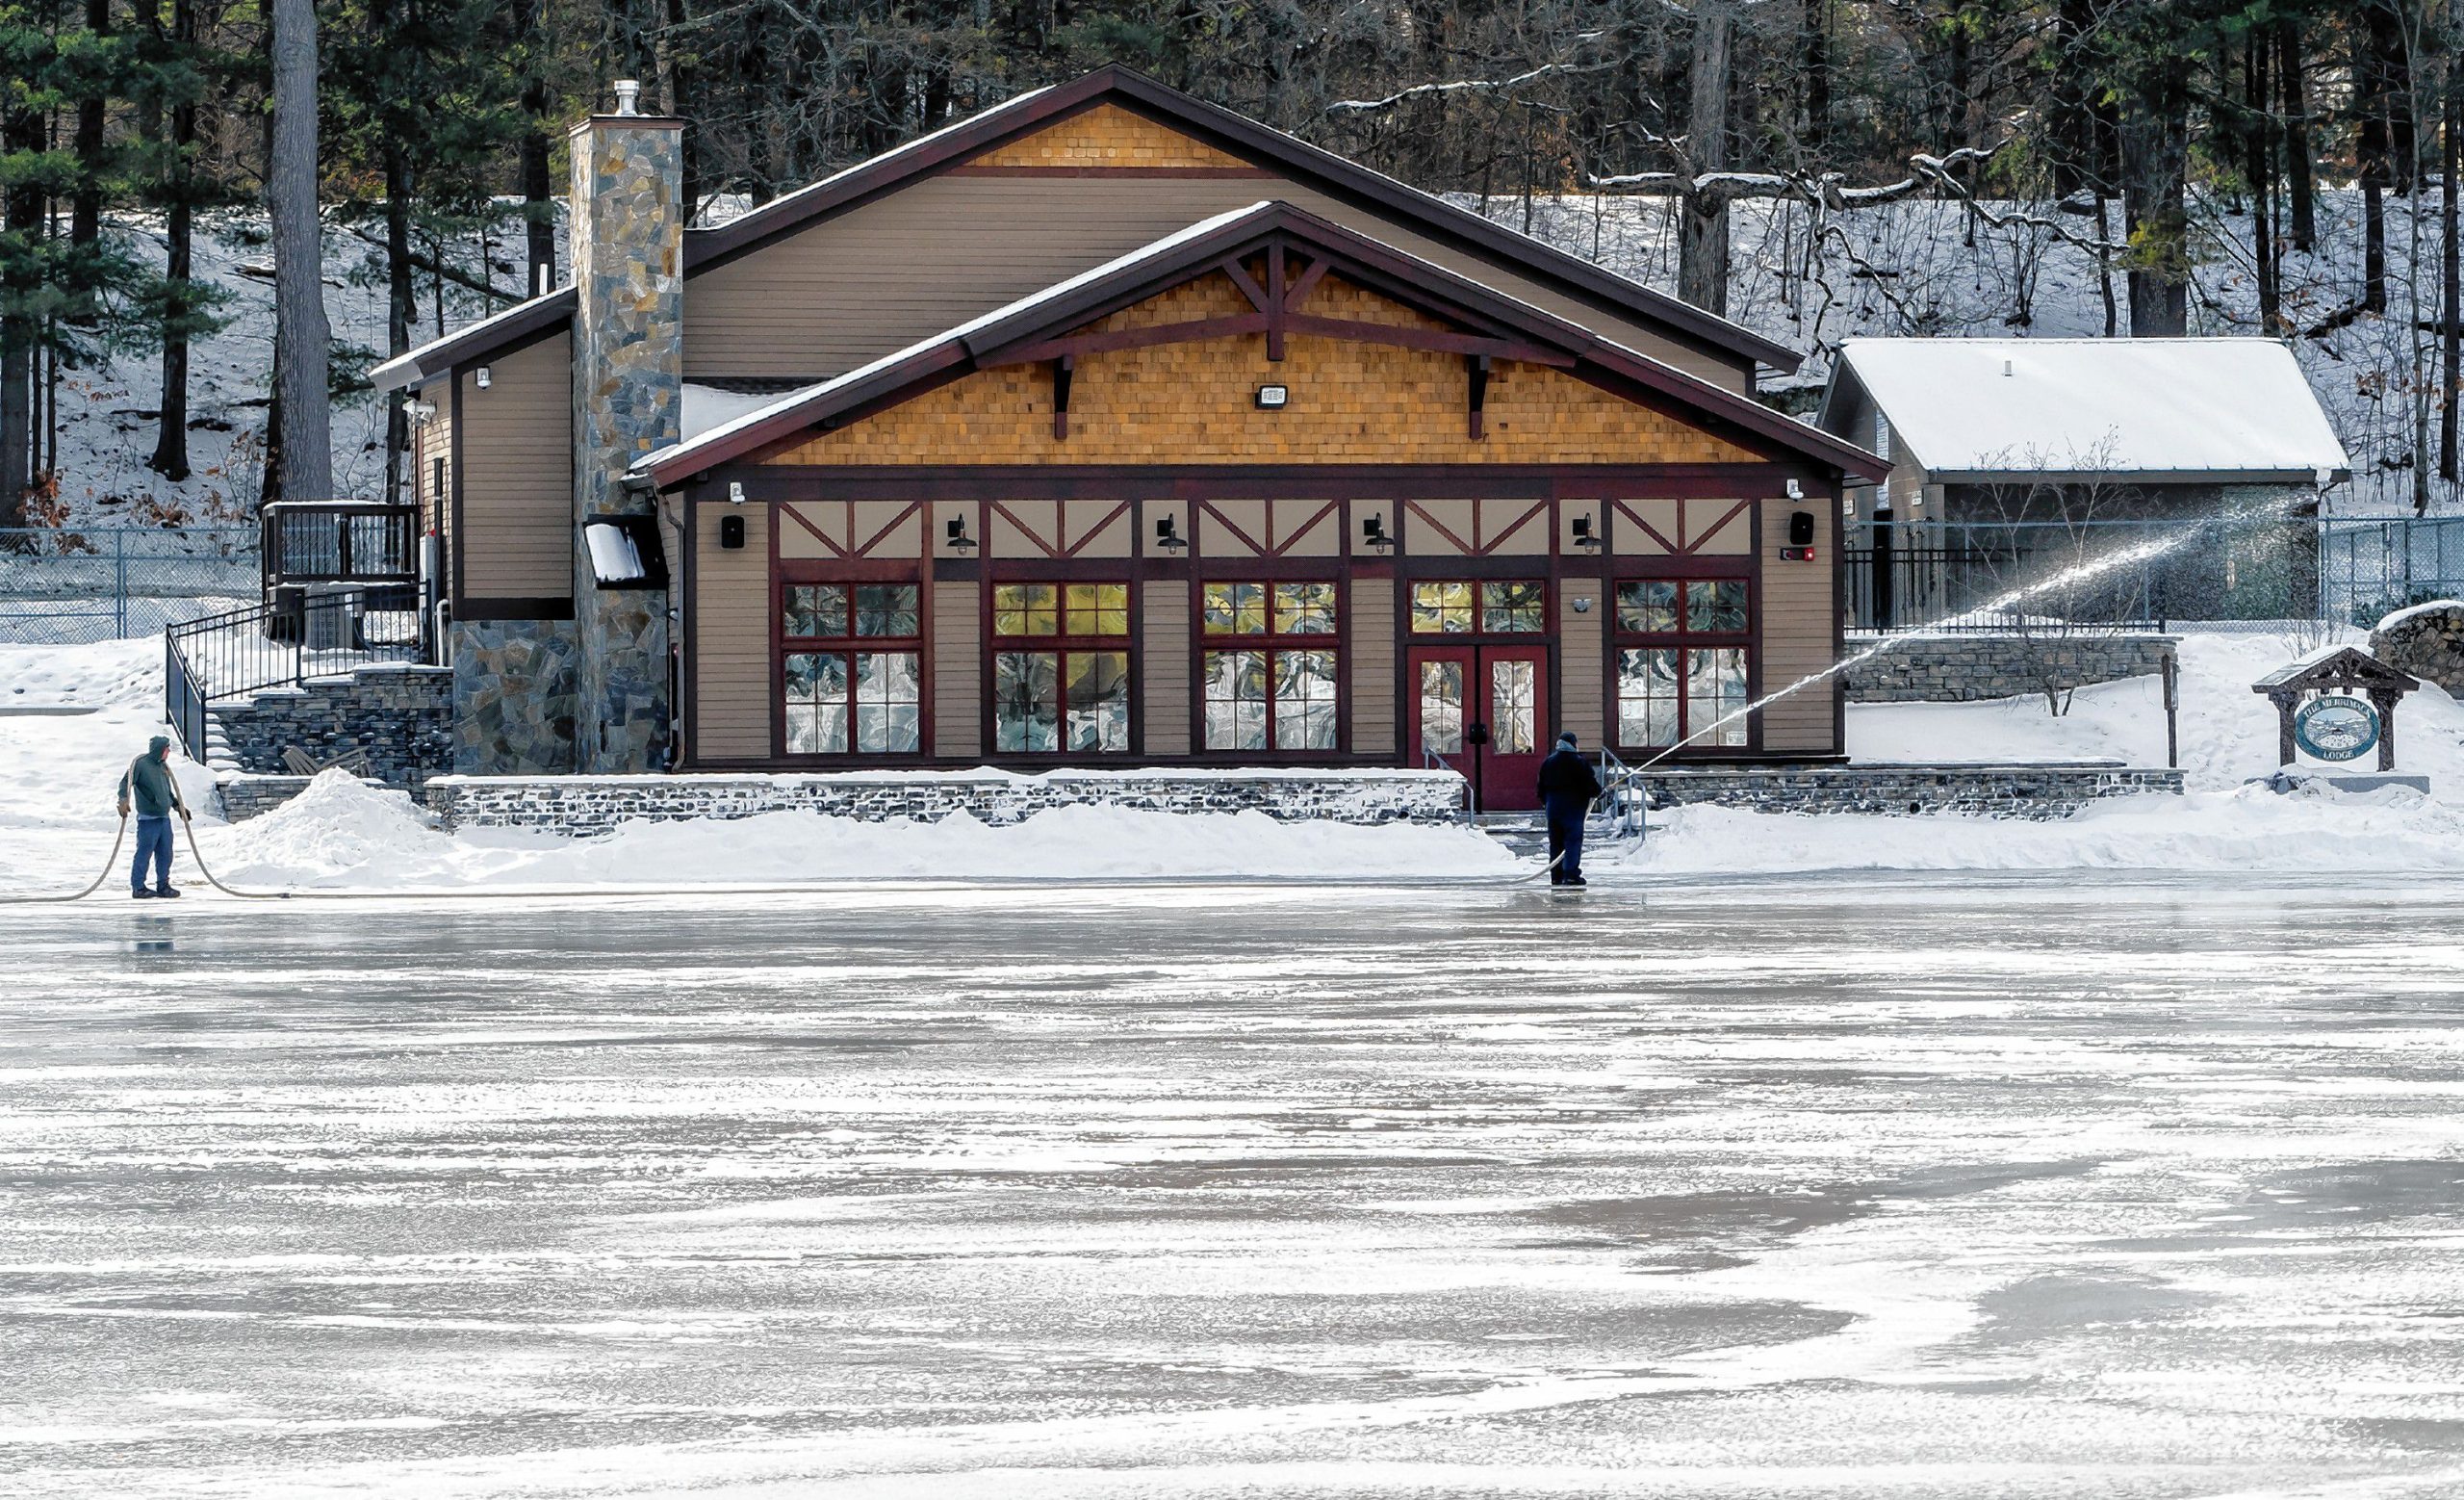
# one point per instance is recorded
(1168, 534)
(625, 551)
(1584, 537)
(735, 492)
(483, 378)
(958, 540)
(421, 413)
(1373, 532)
(1273, 397)
(1796, 491)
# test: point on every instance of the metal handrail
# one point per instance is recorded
(248, 650)
(1622, 792)
(1431, 760)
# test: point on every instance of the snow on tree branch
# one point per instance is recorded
(1473, 85)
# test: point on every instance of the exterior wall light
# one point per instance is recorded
(1584, 537)
(485, 377)
(735, 492)
(959, 540)
(1373, 532)
(1273, 397)
(1168, 534)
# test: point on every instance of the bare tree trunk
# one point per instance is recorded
(2371, 156)
(85, 209)
(2260, 142)
(399, 307)
(1815, 128)
(2299, 166)
(2155, 167)
(21, 212)
(170, 457)
(302, 337)
(1702, 232)
(2450, 280)
(538, 201)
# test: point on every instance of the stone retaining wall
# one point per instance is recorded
(1963, 668)
(596, 804)
(2036, 792)
(2426, 642)
(246, 796)
(401, 715)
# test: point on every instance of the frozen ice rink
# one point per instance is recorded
(1965, 1188)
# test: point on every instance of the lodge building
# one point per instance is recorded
(1107, 428)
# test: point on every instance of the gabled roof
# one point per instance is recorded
(1234, 134)
(2117, 408)
(1009, 335)
(2336, 665)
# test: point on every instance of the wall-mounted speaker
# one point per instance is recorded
(732, 533)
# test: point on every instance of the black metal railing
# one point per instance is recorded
(313, 541)
(1997, 578)
(282, 644)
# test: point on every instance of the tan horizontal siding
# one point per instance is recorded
(518, 475)
(1581, 662)
(957, 640)
(1797, 604)
(436, 441)
(731, 688)
(940, 251)
(1165, 666)
(1371, 642)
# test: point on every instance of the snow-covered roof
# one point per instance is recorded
(2106, 406)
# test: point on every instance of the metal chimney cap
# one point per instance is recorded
(629, 96)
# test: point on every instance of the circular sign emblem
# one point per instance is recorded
(2336, 727)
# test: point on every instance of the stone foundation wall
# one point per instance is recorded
(402, 716)
(1963, 668)
(2426, 642)
(250, 795)
(596, 804)
(2036, 792)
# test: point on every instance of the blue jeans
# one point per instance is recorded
(154, 842)
(1565, 847)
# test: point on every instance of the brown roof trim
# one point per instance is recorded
(500, 333)
(1239, 135)
(986, 342)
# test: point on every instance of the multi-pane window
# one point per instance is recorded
(850, 674)
(1268, 666)
(1681, 661)
(1061, 668)
(1488, 606)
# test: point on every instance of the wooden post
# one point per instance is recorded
(2172, 704)
(1881, 562)
(2385, 702)
(2284, 747)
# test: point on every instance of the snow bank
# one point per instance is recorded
(340, 833)
(2247, 829)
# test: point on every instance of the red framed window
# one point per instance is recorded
(850, 668)
(1266, 660)
(1684, 653)
(1483, 606)
(1061, 668)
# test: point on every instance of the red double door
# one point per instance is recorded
(1483, 710)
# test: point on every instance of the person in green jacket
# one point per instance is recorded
(149, 781)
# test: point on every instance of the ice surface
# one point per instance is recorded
(2015, 1188)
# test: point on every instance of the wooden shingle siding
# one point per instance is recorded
(1583, 657)
(1165, 663)
(1107, 135)
(1371, 643)
(517, 476)
(957, 667)
(923, 260)
(1797, 624)
(731, 616)
(1195, 403)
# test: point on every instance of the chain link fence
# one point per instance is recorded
(72, 586)
(2367, 568)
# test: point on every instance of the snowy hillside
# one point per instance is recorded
(1902, 269)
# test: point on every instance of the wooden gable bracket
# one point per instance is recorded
(1063, 365)
(1477, 367)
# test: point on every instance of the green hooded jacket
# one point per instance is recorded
(149, 778)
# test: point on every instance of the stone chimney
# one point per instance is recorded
(626, 228)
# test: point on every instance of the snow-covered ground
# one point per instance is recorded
(57, 774)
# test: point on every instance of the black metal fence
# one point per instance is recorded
(65, 586)
(309, 541)
(239, 652)
(2059, 576)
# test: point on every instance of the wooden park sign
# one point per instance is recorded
(2336, 704)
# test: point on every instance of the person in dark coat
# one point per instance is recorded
(1567, 786)
(148, 781)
